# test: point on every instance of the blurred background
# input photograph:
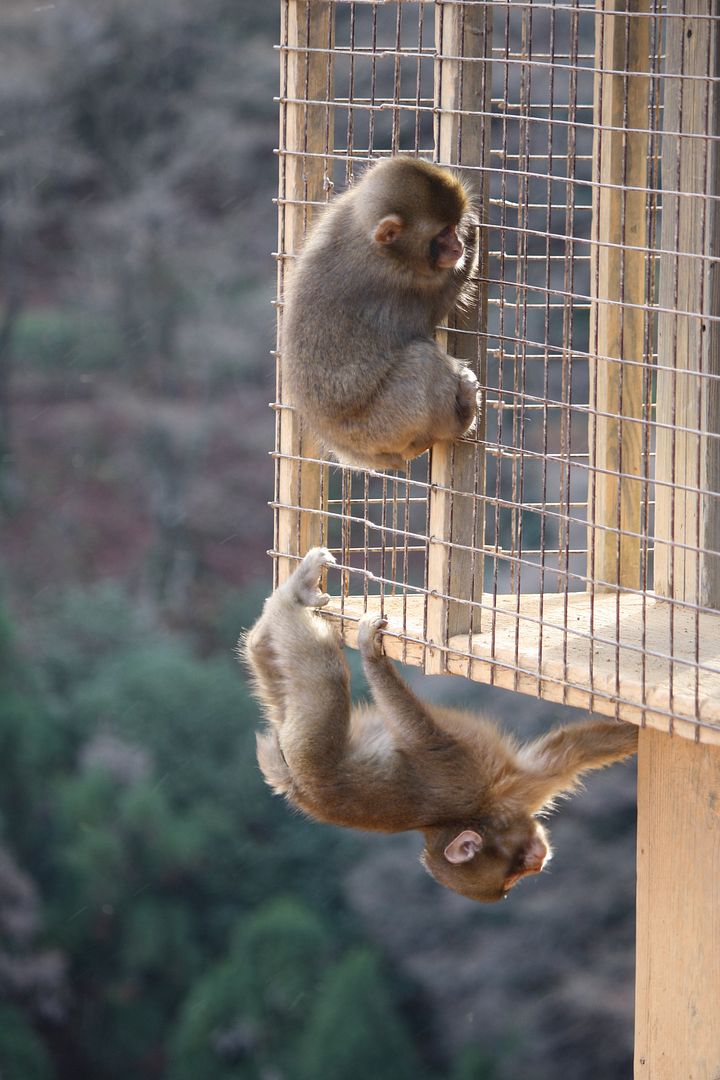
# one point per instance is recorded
(161, 915)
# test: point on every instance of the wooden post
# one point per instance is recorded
(460, 85)
(622, 54)
(306, 131)
(689, 344)
(678, 895)
(677, 1028)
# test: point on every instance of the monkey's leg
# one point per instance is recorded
(559, 758)
(255, 648)
(261, 646)
(310, 673)
(436, 392)
(402, 711)
(425, 397)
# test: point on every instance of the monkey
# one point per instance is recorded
(398, 764)
(388, 260)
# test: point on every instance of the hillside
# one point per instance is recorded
(160, 914)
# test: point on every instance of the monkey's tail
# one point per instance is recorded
(273, 764)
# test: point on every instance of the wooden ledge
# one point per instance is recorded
(610, 654)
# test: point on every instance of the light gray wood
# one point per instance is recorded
(677, 1033)
(460, 140)
(678, 900)
(536, 646)
(688, 342)
(617, 279)
(303, 130)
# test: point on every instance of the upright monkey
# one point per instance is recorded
(387, 262)
(399, 764)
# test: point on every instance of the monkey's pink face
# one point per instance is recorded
(485, 864)
(446, 249)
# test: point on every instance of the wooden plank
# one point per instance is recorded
(689, 342)
(304, 130)
(599, 657)
(678, 897)
(678, 908)
(460, 32)
(618, 278)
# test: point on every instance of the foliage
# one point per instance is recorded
(246, 1017)
(58, 339)
(165, 861)
(474, 1064)
(22, 1054)
(27, 741)
(354, 1031)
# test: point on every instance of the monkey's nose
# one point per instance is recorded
(535, 856)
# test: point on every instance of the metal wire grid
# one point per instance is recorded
(544, 474)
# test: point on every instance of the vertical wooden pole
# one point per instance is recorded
(678, 892)
(463, 40)
(689, 343)
(306, 132)
(677, 1035)
(622, 53)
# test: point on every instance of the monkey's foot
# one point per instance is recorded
(370, 636)
(304, 582)
(467, 398)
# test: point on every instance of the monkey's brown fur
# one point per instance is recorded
(387, 261)
(399, 764)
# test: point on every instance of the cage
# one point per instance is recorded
(568, 548)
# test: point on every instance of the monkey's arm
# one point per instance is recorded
(556, 761)
(411, 721)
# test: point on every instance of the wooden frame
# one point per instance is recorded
(457, 467)
(452, 626)
(305, 132)
(649, 658)
(618, 278)
(677, 1033)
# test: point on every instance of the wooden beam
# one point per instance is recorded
(678, 905)
(688, 396)
(305, 130)
(460, 85)
(678, 892)
(609, 654)
(618, 278)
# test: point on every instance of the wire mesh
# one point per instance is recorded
(580, 525)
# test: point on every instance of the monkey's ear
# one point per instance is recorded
(389, 229)
(464, 847)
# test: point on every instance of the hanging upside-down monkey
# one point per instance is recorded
(399, 764)
(387, 262)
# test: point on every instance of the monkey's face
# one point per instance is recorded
(446, 248)
(418, 213)
(484, 863)
(426, 248)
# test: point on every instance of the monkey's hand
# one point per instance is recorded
(370, 636)
(303, 584)
(467, 398)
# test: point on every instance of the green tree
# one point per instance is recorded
(354, 1031)
(22, 1054)
(163, 830)
(27, 745)
(197, 722)
(245, 1019)
(474, 1064)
